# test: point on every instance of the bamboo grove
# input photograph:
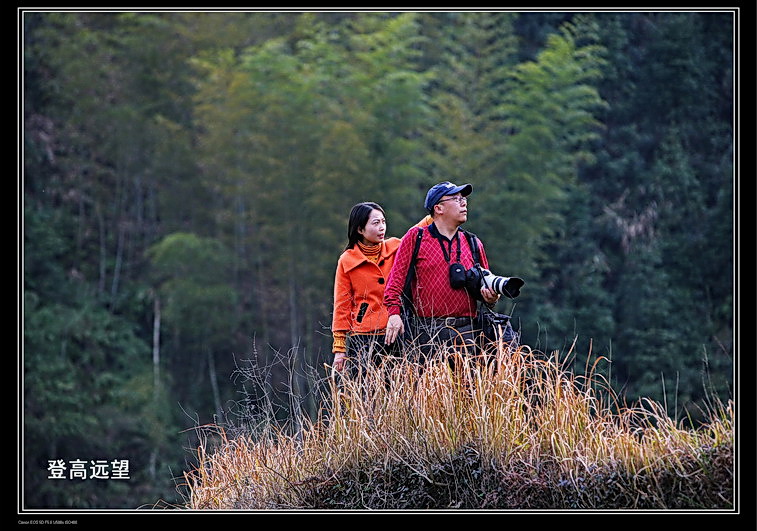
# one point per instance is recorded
(187, 178)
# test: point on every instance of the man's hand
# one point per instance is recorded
(489, 295)
(393, 329)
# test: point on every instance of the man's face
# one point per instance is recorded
(453, 207)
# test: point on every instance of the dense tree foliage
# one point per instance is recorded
(187, 179)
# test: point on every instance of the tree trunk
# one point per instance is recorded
(117, 265)
(156, 347)
(155, 373)
(214, 386)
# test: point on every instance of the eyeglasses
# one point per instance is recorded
(458, 199)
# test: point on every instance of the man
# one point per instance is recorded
(440, 307)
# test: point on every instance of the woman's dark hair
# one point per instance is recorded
(358, 220)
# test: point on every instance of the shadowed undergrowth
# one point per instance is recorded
(517, 431)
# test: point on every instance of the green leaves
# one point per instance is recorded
(547, 117)
(193, 279)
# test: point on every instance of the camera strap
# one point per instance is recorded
(447, 250)
(473, 244)
(406, 295)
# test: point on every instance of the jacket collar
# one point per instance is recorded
(351, 258)
(434, 231)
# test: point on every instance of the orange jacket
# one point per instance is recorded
(359, 290)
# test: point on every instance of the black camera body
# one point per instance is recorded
(475, 278)
(507, 286)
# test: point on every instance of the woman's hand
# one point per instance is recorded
(393, 329)
(339, 359)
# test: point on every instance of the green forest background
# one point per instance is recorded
(187, 178)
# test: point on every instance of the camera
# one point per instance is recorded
(476, 277)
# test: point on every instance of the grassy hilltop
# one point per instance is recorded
(517, 432)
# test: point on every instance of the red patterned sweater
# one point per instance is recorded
(432, 294)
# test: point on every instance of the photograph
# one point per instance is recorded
(345, 262)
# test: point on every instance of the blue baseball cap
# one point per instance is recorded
(438, 191)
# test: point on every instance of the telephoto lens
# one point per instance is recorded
(507, 286)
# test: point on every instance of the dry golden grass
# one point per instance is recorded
(519, 431)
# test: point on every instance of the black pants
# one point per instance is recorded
(464, 335)
(432, 337)
(367, 350)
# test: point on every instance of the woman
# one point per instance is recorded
(359, 321)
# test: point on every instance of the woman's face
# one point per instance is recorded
(375, 228)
